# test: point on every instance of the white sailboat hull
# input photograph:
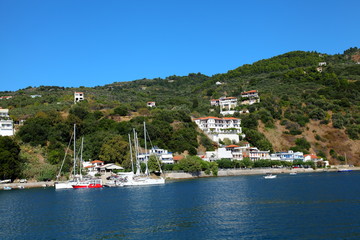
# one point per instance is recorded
(64, 185)
(144, 181)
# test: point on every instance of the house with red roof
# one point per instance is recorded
(225, 103)
(151, 104)
(312, 157)
(220, 128)
(250, 97)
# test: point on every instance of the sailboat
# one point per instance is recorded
(86, 183)
(68, 184)
(138, 179)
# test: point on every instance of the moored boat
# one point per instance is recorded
(270, 176)
(93, 183)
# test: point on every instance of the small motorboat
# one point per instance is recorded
(270, 176)
(7, 188)
(293, 173)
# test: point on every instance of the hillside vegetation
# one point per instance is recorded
(302, 108)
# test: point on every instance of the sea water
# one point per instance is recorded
(302, 206)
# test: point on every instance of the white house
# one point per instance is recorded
(235, 152)
(250, 97)
(5, 97)
(225, 103)
(163, 155)
(220, 128)
(6, 127)
(6, 124)
(250, 94)
(78, 96)
(151, 104)
(4, 113)
(322, 64)
(288, 156)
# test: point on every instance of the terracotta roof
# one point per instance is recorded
(232, 146)
(230, 118)
(178, 157)
(312, 156)
(79, 92)
(97, 161)
(230, 98)
(91, 166)
(252, 91)
(204, 118)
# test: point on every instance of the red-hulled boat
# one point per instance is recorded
(94, 183)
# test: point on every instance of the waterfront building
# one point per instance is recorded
(163, 155)
(236, 152)
(289, 156)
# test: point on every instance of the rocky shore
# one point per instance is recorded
(17, 185)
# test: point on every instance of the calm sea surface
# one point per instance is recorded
(304, 206)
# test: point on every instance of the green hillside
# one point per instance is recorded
(302, 108)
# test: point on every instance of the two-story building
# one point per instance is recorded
(225, 103)
(250, 97)
(78, 97)
(163, 155)
(236, 152)
(6, 124)
(220, 128)
(289, 156)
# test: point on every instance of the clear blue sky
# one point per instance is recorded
(91, 42)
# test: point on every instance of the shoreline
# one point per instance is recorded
(184, 175)
(254, 171)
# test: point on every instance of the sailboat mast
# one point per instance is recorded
(81, 156)
(136, 153)
(74, 168)
(131, 155)
(146, 157)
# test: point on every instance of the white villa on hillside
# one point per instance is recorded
(220, 128)
(6, 127)
(4, 113)
(6, 124)
(225, 103)
(78, 96)
(151, 104)
(251, 97)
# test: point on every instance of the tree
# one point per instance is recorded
(10, 162)
(35, 131)
(114, 149)
(154, 163)
(190, 164)
(122, 110)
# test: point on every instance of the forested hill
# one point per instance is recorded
(303, 107)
